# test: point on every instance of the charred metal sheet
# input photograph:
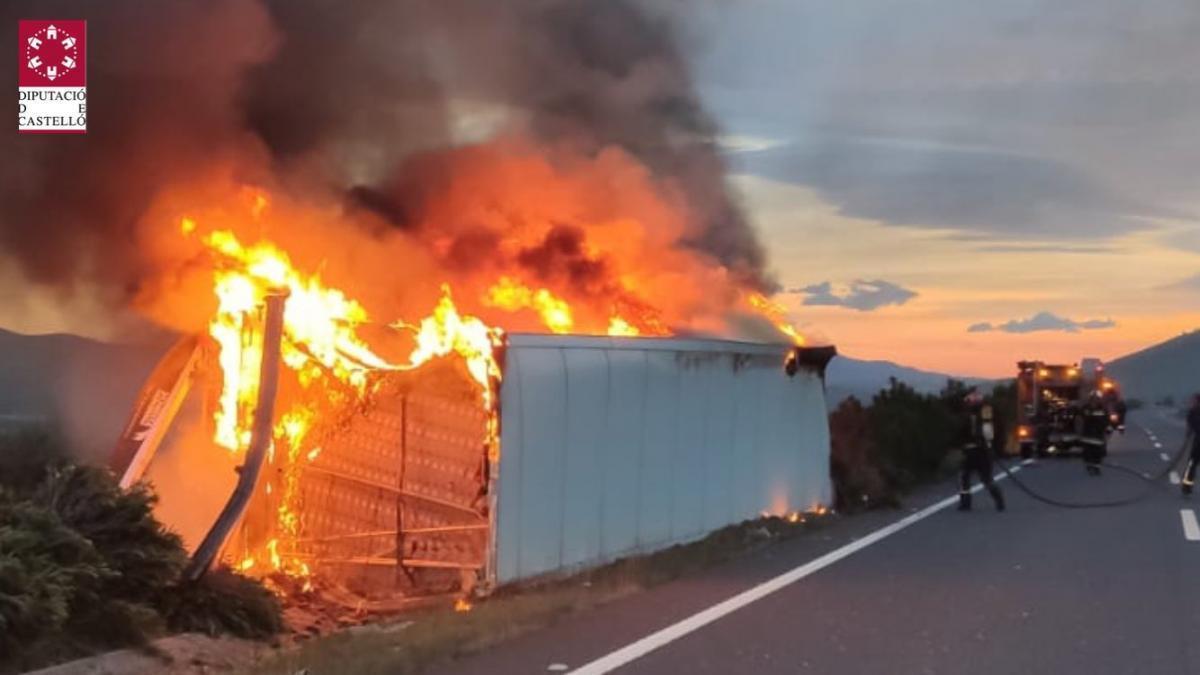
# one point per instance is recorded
(816, 358)
(400, 481)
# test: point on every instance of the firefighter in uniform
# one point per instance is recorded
(1094, 433)
(1193, 430)
(979, 430)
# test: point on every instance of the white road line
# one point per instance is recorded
(1191, 528)
(1165, 456)
(1157, 445)
(640, 648)
(1174, 478)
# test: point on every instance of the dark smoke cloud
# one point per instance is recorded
(341, 94)
(161, 77)
(562, 253)
(348, 79)
(612, 74)
(597, 74)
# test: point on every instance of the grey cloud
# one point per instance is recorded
(864, 295)
(988, 192)
(1035, 119)
(1046, 248)
(1042, 321)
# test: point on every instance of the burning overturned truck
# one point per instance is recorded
(483, 458)
(551, 162)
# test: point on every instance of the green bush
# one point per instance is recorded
(145, 556)
(902, 439)
(912, 433)
(84, 566)
(854, 460)
(47, 572)
(224, 601)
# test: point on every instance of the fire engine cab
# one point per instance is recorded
(1051, 399)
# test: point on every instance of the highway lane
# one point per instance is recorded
(1037, 589)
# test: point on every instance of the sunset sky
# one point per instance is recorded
(1025, 169)
(949, 185)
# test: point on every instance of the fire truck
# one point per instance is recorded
(1050, 399)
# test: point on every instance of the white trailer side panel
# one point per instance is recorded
(616, 446)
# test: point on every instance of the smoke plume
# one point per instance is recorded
(433, 130)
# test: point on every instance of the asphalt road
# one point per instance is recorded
(1037, 589)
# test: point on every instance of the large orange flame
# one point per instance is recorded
(328, 358)
(321, 347)
(510, 295)
(776, 314)
(319, 329)
(447, 332)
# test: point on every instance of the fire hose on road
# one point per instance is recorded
(1151, 481)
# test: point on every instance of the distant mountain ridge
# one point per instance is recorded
(56, 378)
(88, 385)
(1170, 368)
(848, 376)
(84, 387)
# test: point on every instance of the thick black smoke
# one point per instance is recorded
(341, 93)
(610, 73)
(161, 78)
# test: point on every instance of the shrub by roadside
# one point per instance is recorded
(857, 477)
(84, 567)
(224, 603)
(902, 439)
